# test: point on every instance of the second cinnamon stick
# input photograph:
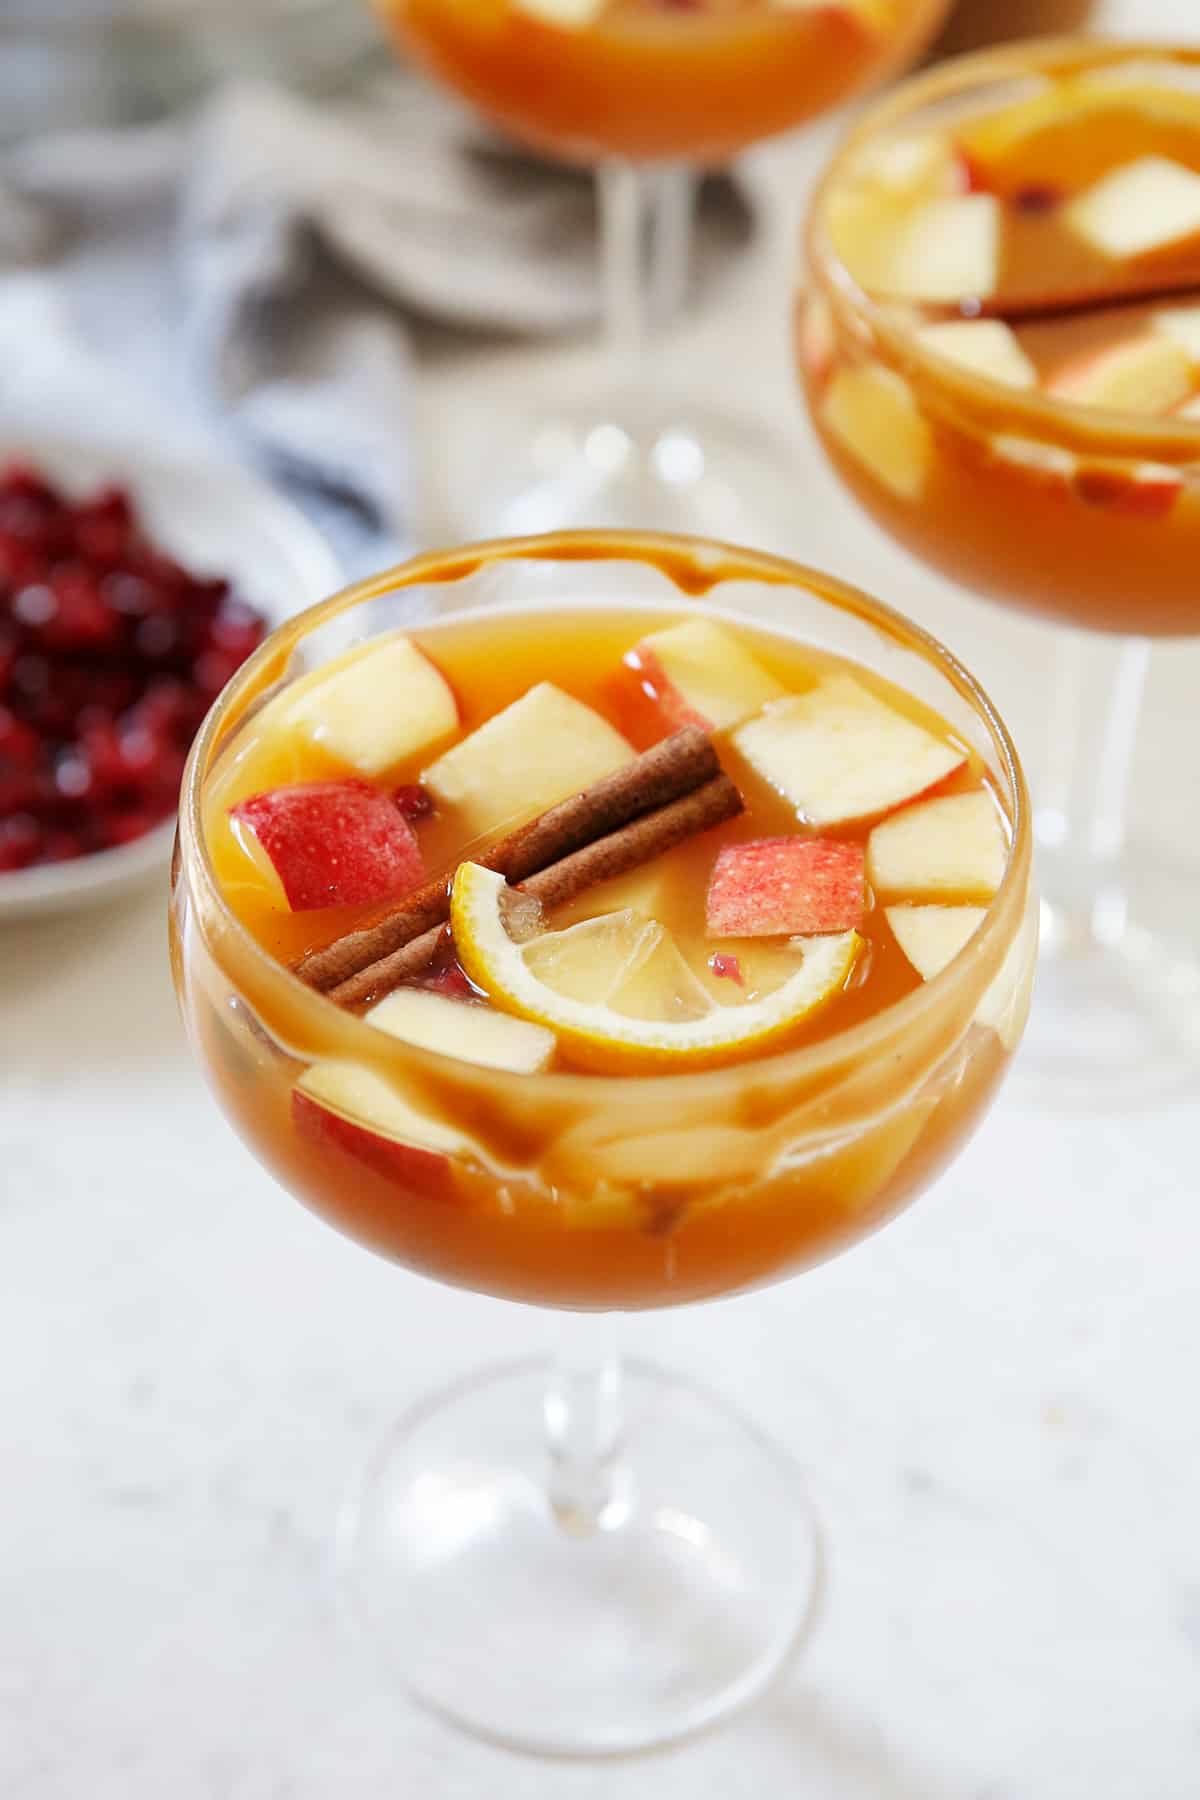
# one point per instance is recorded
(638, 842)
(674, 767)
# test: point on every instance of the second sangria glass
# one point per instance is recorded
(645, 91)
(1015, 406)
(582, 1557)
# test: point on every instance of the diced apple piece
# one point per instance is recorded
(542, 748)
(839, 753)
(1190, 408)
(1143, 206)
(918, 165)
(568, 15)
(786, 887)
(932, 936)
(698, 674)
(943, 249)
(986, 346)
(347, 1107)
(1143, 490)
(1053, 464)
(873, 414)
(1182, 325)
(374, 708)
(329, 843)
(952, 845)
(461, 1028)
(1144, 374)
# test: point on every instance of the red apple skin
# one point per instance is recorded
(661, 692)
(1118, 492)
(334, 843)
(785, 887)
(424, 1172)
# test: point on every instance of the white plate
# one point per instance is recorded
(217, 519)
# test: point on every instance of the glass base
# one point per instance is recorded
(616, 465)
(676, 1605)
(1116, 1016)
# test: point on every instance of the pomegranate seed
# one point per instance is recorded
(413, 801)
(110, 653)
(21, 840)
(726, 966)
(19, 742)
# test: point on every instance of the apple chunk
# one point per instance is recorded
(945, 248)
(343, 1106)
(838, 753)
(786, 887)
(1182, 325)
(952, 845)
(542, 748)
(329, 843)
(374, 708)
(462, 1028)
(1146, 205)
(938, 248)
(932, 936)
(698, 674)
(873, 414)
(1148, 373)
(985, 346)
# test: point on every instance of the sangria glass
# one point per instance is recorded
(1050, 460)
(582, 1557)
(644, 90)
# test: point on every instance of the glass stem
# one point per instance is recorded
(670, 248)
(624, 206)
(1096, 704)
(585, 1436)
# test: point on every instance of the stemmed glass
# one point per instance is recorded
(1085, 516)
(644, 90)
(587, 1557)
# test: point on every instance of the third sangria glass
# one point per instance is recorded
(645, 90)
(1000, 346)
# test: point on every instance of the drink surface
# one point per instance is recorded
(538, 1152)
(1025, 239)
(651, 78)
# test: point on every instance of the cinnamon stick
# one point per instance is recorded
(670, 769)
(639, 841)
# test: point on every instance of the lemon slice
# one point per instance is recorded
(619, 994)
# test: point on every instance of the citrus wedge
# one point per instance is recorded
(617, 991)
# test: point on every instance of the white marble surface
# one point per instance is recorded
(994, 1399)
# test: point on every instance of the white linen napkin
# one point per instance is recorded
(253, 271)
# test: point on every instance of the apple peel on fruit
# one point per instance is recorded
(697, 673)
(328, 843)
(344, 1106)
(786, 887)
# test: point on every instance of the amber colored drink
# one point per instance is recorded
(658, 78)
(608, 1158)
(1000, 334)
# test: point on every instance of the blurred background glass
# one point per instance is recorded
(110, 62)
